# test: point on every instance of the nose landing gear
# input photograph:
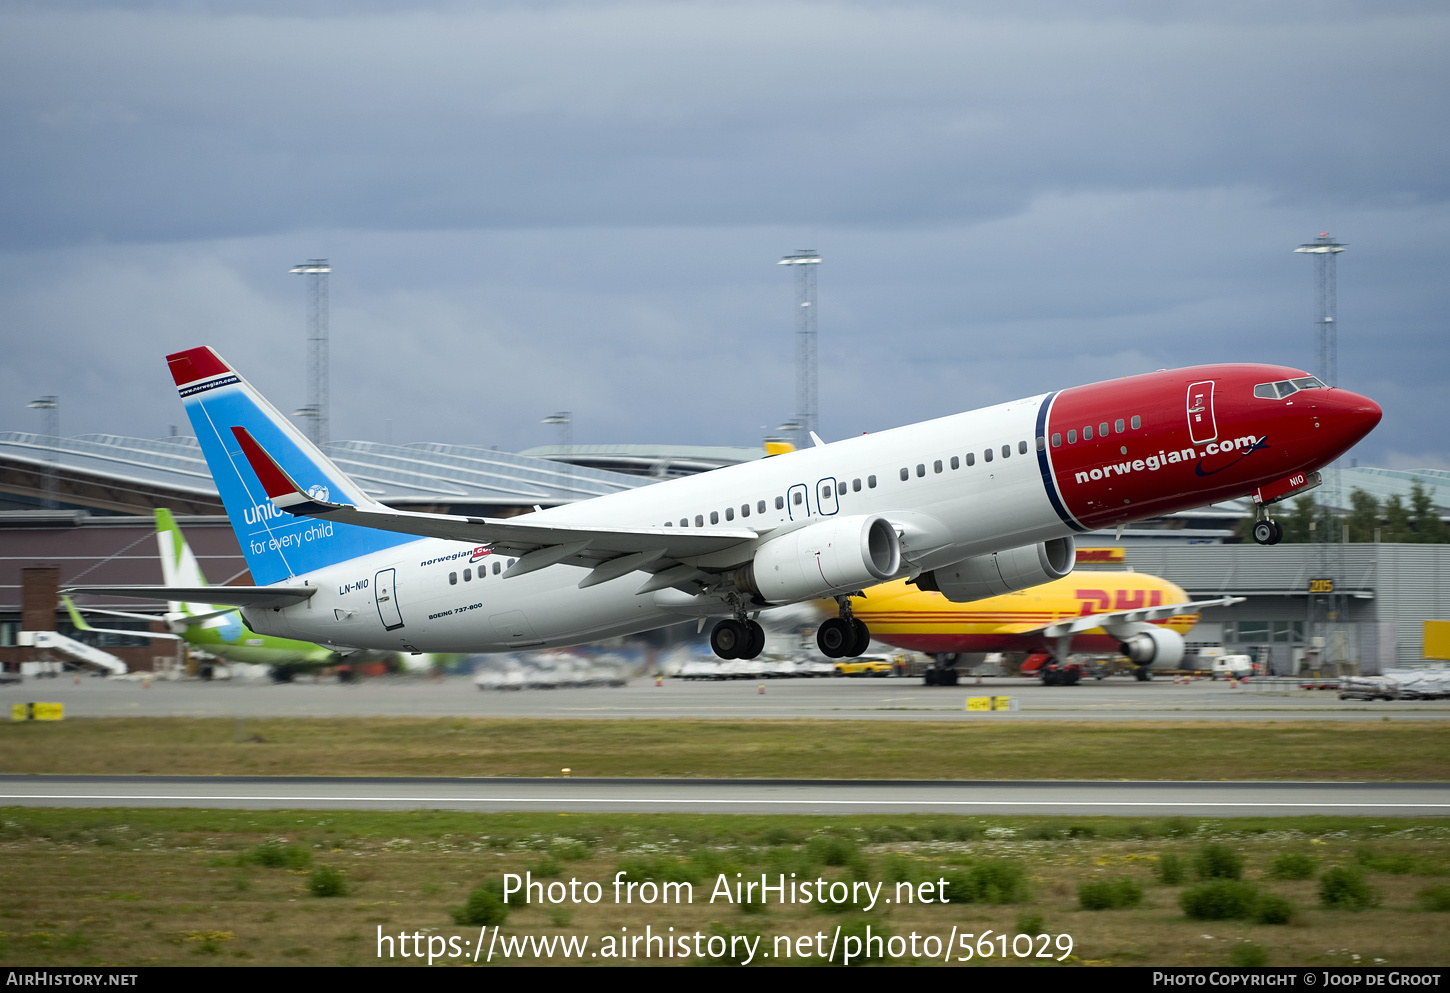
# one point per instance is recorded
(1267, 532)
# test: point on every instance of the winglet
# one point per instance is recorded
(281, 488)
(75, 615)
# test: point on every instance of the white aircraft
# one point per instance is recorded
(972, 505)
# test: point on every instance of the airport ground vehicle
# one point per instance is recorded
(970, 505)
(1232, 667)
(865, 665)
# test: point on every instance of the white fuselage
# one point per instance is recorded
(433, 595)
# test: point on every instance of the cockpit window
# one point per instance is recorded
(1286, 387)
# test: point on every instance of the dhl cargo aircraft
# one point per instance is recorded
(1141, 616)
(970, 505)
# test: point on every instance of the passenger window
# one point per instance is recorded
(826, 492)
(920, 469)
(936, 466)
(780, 503)
(987, 455)
(799, 498)
(497, 569)
(669, 524)
(1022, 446)
(684, 522)
(511, 562)
(971, 458)
(730, 513)
(856, 485)
(467, 575)
(1087, 433)
(1006, 450)
(1118, 426)
(1057, 439)
(1103, 429)
(745, 510)
(1136, 422)
(871, 482)
(956, 463)
(714, 517)
(699, 520)
(1072, 437)
(760, 506)
(905, 474)
(453, 579)
(841, 488)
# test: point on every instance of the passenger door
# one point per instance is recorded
(386, 599)
(798, 501)
(826, 503)
(1201, 426)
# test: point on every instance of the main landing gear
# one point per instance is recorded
(943, 670)
(1267, 532)
(843, 636)
(738, 639)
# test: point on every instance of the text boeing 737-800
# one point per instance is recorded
(972, 505)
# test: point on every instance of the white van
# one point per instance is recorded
(1232, 667)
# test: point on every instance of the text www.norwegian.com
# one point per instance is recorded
(650, 943)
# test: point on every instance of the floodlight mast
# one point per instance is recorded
(316, 271)
(806, 417)
(50, 408)
(1325, 250)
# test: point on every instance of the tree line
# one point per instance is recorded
(1415, 522)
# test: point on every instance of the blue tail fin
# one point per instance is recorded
(277, 545)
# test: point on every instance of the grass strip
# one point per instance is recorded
(216, 887)
(1243, 750)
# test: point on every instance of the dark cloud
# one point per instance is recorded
(551, 205)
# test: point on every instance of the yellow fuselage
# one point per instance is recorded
(902, 615)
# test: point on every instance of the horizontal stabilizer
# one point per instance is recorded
(236, 596)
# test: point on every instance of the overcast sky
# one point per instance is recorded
(541, 206)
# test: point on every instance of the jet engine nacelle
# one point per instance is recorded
(1154, 645)
(834, 556)
(983, 576)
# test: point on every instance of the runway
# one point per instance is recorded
(734, 796)
(1116, 699)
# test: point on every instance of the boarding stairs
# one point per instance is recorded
(77, 650)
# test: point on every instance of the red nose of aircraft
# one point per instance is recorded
(1346, 418)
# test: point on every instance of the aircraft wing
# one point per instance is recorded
(187, 619)
(1119, 617)
(536, 545)
(82, 625)
(237, 596)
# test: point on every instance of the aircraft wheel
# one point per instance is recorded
(1278, 533)
(1142, 674)
(930, 677)
(834, 637)
(950, 677)
(729, 639)
(1266, 532)
(281, 674)
(862, 638)
(1069, 678)
(756, 642)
